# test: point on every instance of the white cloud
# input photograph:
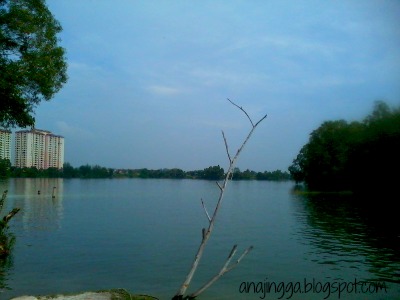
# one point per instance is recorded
(164, 90)
(218, 76)
(286, 43)
(66, 130)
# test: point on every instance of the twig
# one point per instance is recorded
(241, 108)
(226, 147)
(240, 258)
(205, 210)
(261, 120)
(224, 269)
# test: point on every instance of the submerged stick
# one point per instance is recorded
(3, 198)
(11, 214)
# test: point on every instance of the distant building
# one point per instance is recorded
(38, 148)
(5, 144)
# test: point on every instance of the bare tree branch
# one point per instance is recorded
(241, 108)
(261, 120)
(206, 233)
(205, 210)
(226, 147)
(240, 258)
(224, 269)
(220, 187)
(10, 215)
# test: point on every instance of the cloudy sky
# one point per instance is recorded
(148, 80)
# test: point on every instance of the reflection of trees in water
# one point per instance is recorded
(6, 264)
(7, 241)
(39, 210)
(352, 232)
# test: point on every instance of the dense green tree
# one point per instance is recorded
(51, 173)
(69, 171)
(5, 168)
(85, 171)
(144, 173)
(327, 154)
(245, 175)
(376, 159)
(213, 173)
(357, 156)
(32, 64)
(31, 172)
(297, 168)
(176, 173)
(276, 175)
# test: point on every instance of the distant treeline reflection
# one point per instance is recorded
(96, 171)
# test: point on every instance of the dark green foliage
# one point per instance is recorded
(87, 171)
(376, 159)
(213, 173)
(6, 238)
(96, 171)
(5, 168)
(245, 175)
(33, 172)
(276, 175)
(357, 156)
(69, 171)
(32, 65)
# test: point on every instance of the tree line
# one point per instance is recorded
(359, 156)
(96, 171)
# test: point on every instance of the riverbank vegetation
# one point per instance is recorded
(6, 238)
(359, 156)
(96, 171)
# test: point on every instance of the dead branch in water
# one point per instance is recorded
(206, 233)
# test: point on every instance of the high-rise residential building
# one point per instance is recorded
(5, 144)
(39, 148)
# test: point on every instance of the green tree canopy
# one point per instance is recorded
(5, 168)
(32, 64)
(213, 173)
(357, 156)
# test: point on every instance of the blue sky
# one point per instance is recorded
(148, 80)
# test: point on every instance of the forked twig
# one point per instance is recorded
(207, 232)
(225, 269)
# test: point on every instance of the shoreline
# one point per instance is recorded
(113, 294)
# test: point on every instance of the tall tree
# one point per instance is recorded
(33, 66)
(356, 156)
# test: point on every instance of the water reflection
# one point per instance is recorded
(5, 265)
(40, 200)
(351, 236)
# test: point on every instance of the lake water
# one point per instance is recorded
(142, 234)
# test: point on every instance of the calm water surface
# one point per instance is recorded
(142, 235)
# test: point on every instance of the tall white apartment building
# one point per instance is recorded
(5, 144)
(38, 148)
